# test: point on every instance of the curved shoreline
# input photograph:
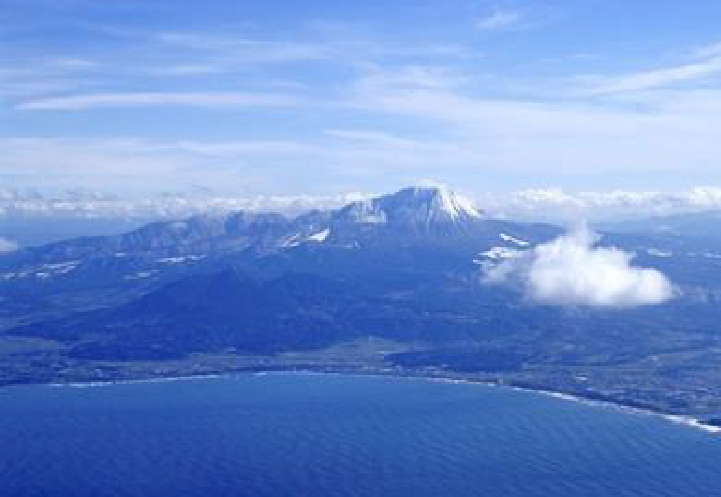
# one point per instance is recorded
(689, 421)
(675, 418)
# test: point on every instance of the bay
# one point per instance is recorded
(325, 435)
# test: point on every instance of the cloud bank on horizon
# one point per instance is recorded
(573, 271)
(551, 205)
(7, 245)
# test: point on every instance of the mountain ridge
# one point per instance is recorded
(398, 275)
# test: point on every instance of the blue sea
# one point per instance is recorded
(286, 435)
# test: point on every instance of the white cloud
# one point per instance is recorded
(573, 270)
(237, 49)
(393, 126)
(659, 77)
(97, 205)
(499, 20)
(376, 79)
(555, 204)
(324, 42)
(7, 245)
(710, 50)
(386, 139)
(703, 63)
(75, 64)
(78, 102)
(144, 166)
(572, 139)
(188, 69)
(98, 164)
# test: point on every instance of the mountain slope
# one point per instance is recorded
(95, 272)
(399, 269)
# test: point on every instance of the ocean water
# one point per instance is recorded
(312, 435)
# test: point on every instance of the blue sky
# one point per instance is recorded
(290, 97)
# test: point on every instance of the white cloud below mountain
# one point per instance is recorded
(573, 271)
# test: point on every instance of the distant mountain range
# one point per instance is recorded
(402, 267)
(24, 215)
(410, 241)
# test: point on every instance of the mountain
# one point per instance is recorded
(401, 242)
(132, 263)
(400, 269)
(412, 210)
(209, 313)
(419, 208)
(420, 231)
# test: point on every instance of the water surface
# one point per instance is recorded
(315, 435)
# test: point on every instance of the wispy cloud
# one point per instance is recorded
(189, 69)
(247, 50)
(705, 62)
(47, 76)
(336, 46)
(90, 101)
(375, 77)
(75, 64)
(534, 136)
(659, 78)
(269, 166)
(353, 101)
(708, 50)
(499, 20)
(370, 136)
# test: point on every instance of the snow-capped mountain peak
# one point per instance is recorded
(414, 205)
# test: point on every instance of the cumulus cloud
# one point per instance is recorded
(7, 245)
(573, 270)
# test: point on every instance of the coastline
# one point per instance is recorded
(674, 418)
(686, 420)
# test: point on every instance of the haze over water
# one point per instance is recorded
(300, 435)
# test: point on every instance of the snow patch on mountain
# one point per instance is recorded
(290, 241)
(141, 274)
(658, 252)
(365, 211)
(499, 253)
(415, 206)
(453, 205)
(319, 237)
(43, 271)
(181, 259)
(511, 239)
